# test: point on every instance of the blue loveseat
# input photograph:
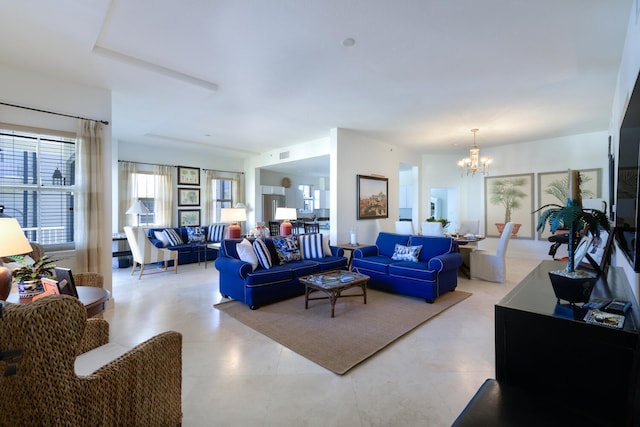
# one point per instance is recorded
(263, 286)
(433, 272)
(188, 250)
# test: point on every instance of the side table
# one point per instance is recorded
(349, 247)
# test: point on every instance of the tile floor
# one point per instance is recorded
(234, 376)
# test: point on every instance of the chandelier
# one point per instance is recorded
(474, 162)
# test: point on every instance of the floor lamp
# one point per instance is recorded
(13, 242)
(138, 208)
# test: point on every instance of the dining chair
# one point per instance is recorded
(311, 228)
(274, 228)
(432, 228)
(404, 227)
(489, 265)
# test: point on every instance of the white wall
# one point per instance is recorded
(34, 90)
(586, 151)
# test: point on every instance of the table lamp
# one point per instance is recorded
(233, 215)
(286, 215)
(13, 242)
(138, 208)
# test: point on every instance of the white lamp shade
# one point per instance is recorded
(233, 214)
(138, 208)
(286, 214)
(12, 238)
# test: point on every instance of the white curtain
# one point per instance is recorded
(165, 185)
(237, 191)
(89, 218)
(126, 195)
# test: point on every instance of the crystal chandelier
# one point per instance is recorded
(474, 162)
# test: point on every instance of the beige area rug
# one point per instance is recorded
(356, 333)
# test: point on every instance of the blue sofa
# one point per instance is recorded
(264, 286)
(431, 274)
(187, 250)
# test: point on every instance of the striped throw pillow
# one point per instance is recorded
(216, 233)
(263, 253)
(311, 246)
(173, 237)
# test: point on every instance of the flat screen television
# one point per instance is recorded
(627, 209)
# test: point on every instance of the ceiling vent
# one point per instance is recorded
(284, 155)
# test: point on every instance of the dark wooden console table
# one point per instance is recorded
(546, 346)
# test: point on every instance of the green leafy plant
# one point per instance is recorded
(443, 221)
(44, 267)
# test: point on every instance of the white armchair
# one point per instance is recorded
(404, 227)
(488, 265)
(144, 252)
(432, 228)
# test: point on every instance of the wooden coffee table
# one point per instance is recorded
(333, 283)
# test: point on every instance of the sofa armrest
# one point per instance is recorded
(365, 251)
(445, 262)
(142, 387)
(336, 251)
(96, 333)
(233, 266)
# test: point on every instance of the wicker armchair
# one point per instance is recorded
(142, 387)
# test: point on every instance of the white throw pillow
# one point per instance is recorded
(247, 254)
(161, 235)
(325, 245)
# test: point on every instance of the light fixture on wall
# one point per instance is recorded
(285, 215)
(474, 162)
(234, 215)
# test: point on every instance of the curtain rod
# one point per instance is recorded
(104, 122)
(175, 166)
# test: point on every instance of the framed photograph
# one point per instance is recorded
(188, 197)
(189, 218)
(373, 195)
(509, 198)
(188, 176)
(599, 253)
(553, 187)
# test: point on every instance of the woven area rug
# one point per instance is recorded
(356, 333)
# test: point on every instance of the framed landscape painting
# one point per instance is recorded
(509, 198)
(373, 195)
(189, 218)
(553, 187)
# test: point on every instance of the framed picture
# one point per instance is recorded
(189, 218)
(509, 198)
(188, 176)
(373, 195)
(599, 253)
(188, 197)
(553, 187)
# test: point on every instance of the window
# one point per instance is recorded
(37, 177)
(222, 196)
(307, 197)
(145, 190)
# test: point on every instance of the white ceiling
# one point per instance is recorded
(253, 75)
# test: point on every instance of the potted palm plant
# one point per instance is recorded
(571, 284)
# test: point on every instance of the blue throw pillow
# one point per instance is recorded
(195, 234)
(216, 233)
(263, 253)
(311, 246)
(173, 237)
(406, 253)
(287, 248)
